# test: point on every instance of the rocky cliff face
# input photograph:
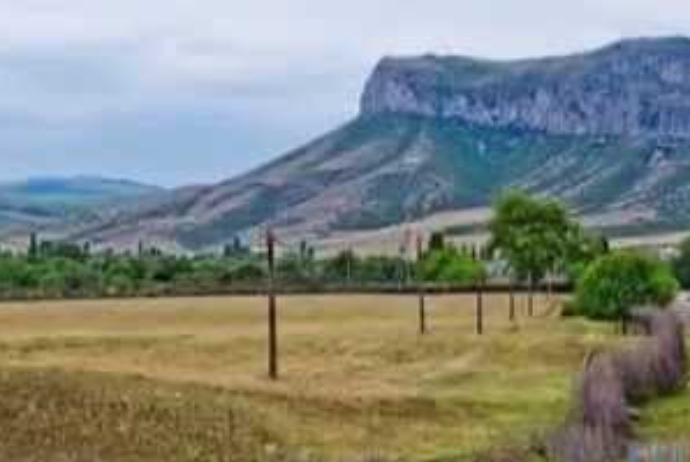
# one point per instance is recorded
(633, 88)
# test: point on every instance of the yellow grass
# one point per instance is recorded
(356, 377)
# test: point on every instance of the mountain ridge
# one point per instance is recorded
(46, 201)
(631, 88)
(608, 131)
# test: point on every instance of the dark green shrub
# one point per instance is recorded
(449, 266)
(437, 241)
(618, 282)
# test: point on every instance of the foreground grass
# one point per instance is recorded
(357, 379)
(667, 419)
(56, 416)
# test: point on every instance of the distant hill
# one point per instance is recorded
(608, 131)
(38, 202)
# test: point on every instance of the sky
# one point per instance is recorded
(178, 92)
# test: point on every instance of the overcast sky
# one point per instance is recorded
(186, 91)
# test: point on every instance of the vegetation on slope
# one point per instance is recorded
(64, 194)
(386, 169)
(25, 205)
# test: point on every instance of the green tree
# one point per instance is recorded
(622, 280)
(118, 284)
(33, 246)
(294, 268)
(236, 249)
(437, 241)
(530, 234)
(581, 249)
(449, 266)
(248, 272)
(344, 267)
(381, 269)
(63, 277)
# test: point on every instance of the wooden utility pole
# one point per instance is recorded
(625, 325)
(421, 286)
(511, 302)
(530, 297)
(272, 314)
(348, 270)
(480, 307)
(549, 286)
(402, 263)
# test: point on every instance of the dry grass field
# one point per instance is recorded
(356, 377)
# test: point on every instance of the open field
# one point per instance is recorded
(356, 377)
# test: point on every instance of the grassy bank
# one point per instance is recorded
(667, 419)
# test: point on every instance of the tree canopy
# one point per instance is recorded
(52, 269)
(531, 234)
(447, 265)
(623, 280)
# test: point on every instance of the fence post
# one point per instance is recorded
(530, 297)
(511, 302)
(480, 308)
(549, 286)
(348, 268)
(272, 315)
(625, 325)
(421, 287)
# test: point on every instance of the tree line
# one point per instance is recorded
(533, 242)
(538, 237)
(54, 269)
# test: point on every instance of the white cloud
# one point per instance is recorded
(286, 68)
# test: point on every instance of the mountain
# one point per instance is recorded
(608, 131)
(39, 202)
(632, 88)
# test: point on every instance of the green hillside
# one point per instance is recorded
(39, 201)
(465, 166)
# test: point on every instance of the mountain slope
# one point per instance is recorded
(608, 131)
(37, 202)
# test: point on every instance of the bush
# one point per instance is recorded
(681, 264)
(616, 283)
(449, 266)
